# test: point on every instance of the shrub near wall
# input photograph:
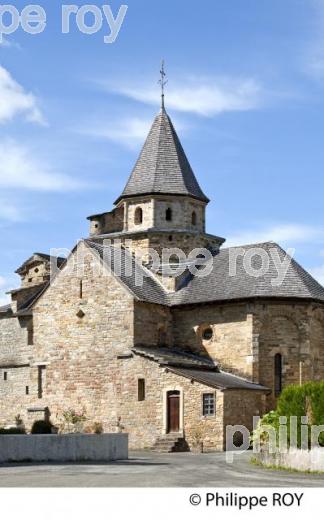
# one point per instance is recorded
(12, 431)
(306, 400)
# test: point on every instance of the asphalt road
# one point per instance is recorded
(147, 469)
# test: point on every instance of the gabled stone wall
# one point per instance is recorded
(79, 339)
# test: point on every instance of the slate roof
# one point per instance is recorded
(195, 367)
(138, 279)
(219, 285)
(27, 304)
(162, 167)
(220, 380)
(175, 358)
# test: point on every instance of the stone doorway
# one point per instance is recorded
(173, 411)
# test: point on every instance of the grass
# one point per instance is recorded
(257, 462)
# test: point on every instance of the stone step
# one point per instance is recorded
(170, 443)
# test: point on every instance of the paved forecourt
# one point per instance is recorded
(147, 469)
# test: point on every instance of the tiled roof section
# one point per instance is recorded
(162, 166)
(139, 280)
(38, 257)
(220, 380)
(220, 285)
(195, 367)
(27, 304)
(5, 309)
(175, 358)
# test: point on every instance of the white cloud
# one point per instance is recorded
(203, 96)
(282, 233)
(130, 132)
(9, 212)
(2, 282)
(6, 284)
(21, 169)
(9, 43)
(14, 100)
(4, 299)
(313, 53)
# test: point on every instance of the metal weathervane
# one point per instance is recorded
(163, 81)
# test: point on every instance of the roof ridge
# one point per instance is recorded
(266, 242)
(161, 113)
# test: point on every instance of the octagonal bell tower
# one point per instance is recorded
(162, 204)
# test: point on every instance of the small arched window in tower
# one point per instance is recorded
(168, 215)
(138, 216)
(277, 374)
(194, 218)
(174, 260)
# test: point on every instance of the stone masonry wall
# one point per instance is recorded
(146, 420)
(14, 398)
(231, 343)
(154, 213)
(15, 357)
(152, 325)
(294, 330)
(241, 406)
(79, 339)
(186, 242)
(13, 341)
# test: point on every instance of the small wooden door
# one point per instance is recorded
(173, 411)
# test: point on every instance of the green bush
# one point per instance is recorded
(298, 401)
(41, 427)
(269, 419)
(12, 431)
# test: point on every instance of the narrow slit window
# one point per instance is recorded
(141, 389)
(81, 289)
(168, 215)
(194, 218)
(278, 374)
(41, 371)
(27, 390)
(30, 335)
(5, 376)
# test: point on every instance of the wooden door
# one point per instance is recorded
(173, 412)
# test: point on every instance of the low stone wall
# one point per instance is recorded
(63, 448)
(302, 460)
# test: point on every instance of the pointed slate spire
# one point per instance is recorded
(162, 167)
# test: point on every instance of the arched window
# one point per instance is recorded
(168, 215)
(278, 374)
(138, 216)
(174, 260)
(194, 218)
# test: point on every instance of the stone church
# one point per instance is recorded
(172, 360)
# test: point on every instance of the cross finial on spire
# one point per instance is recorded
(162, 82)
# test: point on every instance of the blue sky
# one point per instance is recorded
(246, 94)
